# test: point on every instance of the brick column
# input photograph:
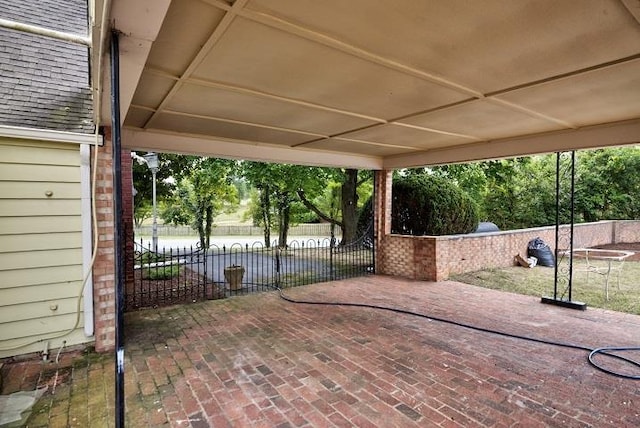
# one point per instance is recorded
(103, 268)
(382, 212)
(127, 217)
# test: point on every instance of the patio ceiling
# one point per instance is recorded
(378, 84)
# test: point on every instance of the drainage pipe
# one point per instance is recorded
(118, 235)
(41, 31)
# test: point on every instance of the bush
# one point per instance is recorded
(147, 257)
(429, 205)
(161, 272)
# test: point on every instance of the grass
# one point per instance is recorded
(538, 281)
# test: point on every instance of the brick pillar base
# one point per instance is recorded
(382, 212)
(127, 217)
(103, 268)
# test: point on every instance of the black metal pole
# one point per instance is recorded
(555, 273)
(570, 303)
(572, 214)
(117, 222)
(375, 221)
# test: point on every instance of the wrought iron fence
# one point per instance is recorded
(180, 275)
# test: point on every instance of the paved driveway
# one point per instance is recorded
(260, 267)
(259, 361)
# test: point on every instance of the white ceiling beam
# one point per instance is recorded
(633, 6)
(435, 131)
(610, 134)
(226, 148)
(215, 36)
(315, 36)
(139, 22)
(241, 122)
(318, 37)
(253, 92)
(529, 112)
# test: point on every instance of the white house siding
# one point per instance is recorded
(40, 246)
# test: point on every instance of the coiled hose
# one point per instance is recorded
(593, 352)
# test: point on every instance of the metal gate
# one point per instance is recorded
(181, 275)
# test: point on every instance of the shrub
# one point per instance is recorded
(428, 205)
(161, 272)
(147, 257)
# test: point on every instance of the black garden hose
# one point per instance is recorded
(607, 351)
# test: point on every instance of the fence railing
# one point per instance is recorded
(180, 275)
(319, 229)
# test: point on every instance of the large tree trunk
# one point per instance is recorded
(349, 202)
(265, 202)
(200, 227)
(208, 225)
(284, 208)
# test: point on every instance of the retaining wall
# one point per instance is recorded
(435, 258)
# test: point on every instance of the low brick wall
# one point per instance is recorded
(626, 231)
(435, 258)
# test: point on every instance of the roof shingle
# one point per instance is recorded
(44, 83)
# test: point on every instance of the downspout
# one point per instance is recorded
(87, 236)
(118, 236)
(47, 32)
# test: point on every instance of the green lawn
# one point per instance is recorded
(538, 281)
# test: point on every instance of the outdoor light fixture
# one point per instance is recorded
(152, 163)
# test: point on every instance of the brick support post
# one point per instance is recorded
(382, 211)
(103, 268)
(127, 217)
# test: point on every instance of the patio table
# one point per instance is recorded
(614, 261)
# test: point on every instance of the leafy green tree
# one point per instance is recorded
(171, 169)
(608, 184)
(513, 193)
(520, 192)
(342, 195)
(201, 195)
(277, 186)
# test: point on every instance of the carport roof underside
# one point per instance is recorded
(378, 84)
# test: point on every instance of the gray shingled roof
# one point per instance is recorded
(44, 83)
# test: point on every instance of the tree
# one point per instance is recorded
(171, 169)
(347, 199)
(513, 193)
(520, 192)
(277, 186)
(608, 184)
(205, 192)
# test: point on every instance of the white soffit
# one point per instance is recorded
(406, 83)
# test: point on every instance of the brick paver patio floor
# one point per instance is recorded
(260, 361)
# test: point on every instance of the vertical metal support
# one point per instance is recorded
(557, 253)
(332, 274)
(563, 273)
(572, 221)
(277, 262)
(118, 238)
(375, 221)
(154, 227)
